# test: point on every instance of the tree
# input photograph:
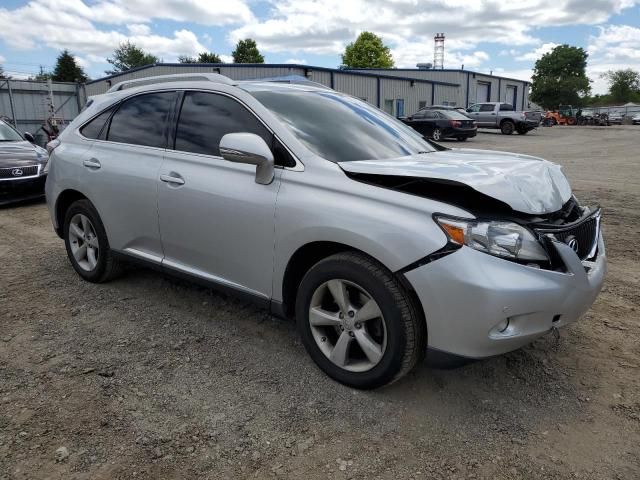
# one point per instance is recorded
(247, 52)
(204, 57)
(128, 56)
(624, 85)
(367, 51)
(67, 69)
(2, 74)
(559, 77)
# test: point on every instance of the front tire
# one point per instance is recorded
(87, 244)
(357, 322)
(436, 135)
(507, 127)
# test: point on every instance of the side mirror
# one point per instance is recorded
(29, 137)
(252, 149)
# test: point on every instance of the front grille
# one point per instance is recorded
(19, 172)
(581, 236)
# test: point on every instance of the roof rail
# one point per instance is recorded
(176, 77)
(292, 79)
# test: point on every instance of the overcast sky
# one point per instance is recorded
(484, 35)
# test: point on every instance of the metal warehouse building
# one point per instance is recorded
(397, 91)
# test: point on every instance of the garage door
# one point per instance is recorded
(511, 96)
(482, 92)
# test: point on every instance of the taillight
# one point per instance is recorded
(455, 123)
(51, 146)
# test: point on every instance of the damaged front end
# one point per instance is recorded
(497, 228)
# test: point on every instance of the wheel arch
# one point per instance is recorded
(65, 199)
(306, 256)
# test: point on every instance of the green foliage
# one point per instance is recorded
(67, 69)
(367, 51)
(204, 57)
(559, 77)
(128, 56)
(247, 52)
(624, 85)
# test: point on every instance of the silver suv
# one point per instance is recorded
(315, 204)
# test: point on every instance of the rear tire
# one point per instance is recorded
(507, 127)
(462, 139)
(87, 244)
(397, 329)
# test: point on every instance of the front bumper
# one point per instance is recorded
(467, 294)
(12, 191)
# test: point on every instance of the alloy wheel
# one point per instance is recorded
(84, 242)
(347, 325)
(436, 134)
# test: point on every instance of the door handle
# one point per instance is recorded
(93, 163)
(172, 179)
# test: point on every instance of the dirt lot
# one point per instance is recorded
(149, 377)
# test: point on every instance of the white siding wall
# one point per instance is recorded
(357, 85)
(402, 89)
(445, 93)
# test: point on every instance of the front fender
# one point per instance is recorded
(394, 228)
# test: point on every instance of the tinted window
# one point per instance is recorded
(487, 107)
(95, 126)
(337, 127)
(454, 115)
(430, 114)
(142, 120)
(473, 108)
(505, 107)
(206, 117)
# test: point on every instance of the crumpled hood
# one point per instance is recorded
(527, 184)
(17, 154)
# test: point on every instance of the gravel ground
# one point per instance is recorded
(150, 377)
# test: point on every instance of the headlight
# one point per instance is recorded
(501, 239)
(43, 158)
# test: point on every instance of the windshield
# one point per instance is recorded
(8, 134)
(341, 128)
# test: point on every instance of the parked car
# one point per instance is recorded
(439, 124)
(321, 207)
(504, 117)
(615, 118)
(22, 166)
(636, 119)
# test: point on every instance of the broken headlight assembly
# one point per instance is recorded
(498, 238)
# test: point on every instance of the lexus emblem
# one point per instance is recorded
(572, 242)
(16, 172)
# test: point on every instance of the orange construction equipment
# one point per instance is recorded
(565, 115)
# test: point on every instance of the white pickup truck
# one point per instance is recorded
(504, 117)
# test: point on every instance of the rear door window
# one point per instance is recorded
(142, 120)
